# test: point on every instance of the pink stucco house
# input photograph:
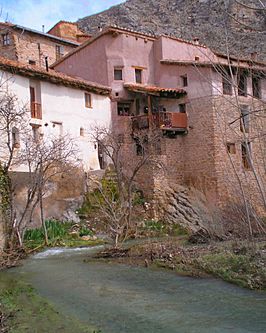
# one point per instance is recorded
(207, 107)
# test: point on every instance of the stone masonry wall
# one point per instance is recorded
(8, 51)
(2, 238)
(230, 169)
(28, 48)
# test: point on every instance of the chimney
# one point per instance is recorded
(254, 56)
(46, 64)
(196, 40)
(43, 28)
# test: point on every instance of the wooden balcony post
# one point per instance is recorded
(149, 111)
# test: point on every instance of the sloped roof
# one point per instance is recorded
(52, 76)
(43, 34)
(154, 90)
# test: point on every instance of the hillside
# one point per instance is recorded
(212, 21)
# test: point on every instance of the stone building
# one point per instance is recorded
(208, 107)
(33, 47)
(69, 31)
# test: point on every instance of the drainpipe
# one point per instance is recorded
(46, 64)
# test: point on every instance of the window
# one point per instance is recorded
(123, 109)
(118, 74)
(35, 107)
(15, 138)
(138, 75)
(6, 39)
(59, 51)
(32, 62)
(231, 148)
(182, 108)
(242, 83)
(246, 155)
(184, 80)
(36, 132)
(256, 86)
(227, 81)
(244, 118)
(141, 145)
(81, 131)
(88, 100)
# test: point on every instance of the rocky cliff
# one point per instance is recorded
(240, 24)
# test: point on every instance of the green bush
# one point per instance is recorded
(85, 232)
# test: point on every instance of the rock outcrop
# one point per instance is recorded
(216, 23)
(188, 208)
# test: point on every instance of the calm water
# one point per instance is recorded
(122, 299)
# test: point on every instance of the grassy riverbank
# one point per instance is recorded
(22, 310)
(242, 263)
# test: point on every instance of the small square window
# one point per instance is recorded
(88, 100)
(231, 148)
(182, 108)
(6, 39)
(138, 75)
(32, 62)
(184, 80)
(118, 74)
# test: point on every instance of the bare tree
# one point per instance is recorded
(45, 159)
(41, 158)
(13, 122)
(114, 197)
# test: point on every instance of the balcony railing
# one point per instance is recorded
(168, 121)
(36, 110)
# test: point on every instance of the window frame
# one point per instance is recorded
(227, 86)
(244, 118)
(15, 134)
(231, 148)
(139, 75)
(256, 86)
(59, 51)
(123, 105)
(184, 80)
(182, 108)
(246, 155)
(88, 100)
(242, 83)
(6, 39)
(118, 70)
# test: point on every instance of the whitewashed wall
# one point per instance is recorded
(64, 105)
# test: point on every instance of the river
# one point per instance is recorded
(122, 299)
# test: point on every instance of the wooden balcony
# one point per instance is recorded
(166, 121)
(36, 110)
(173, 121)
